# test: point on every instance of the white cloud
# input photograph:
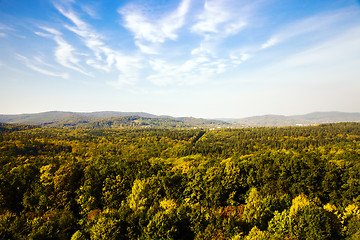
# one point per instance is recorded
(128, 66)
(50, 30)
(245, 56)
(217, 21)
(5, 29)
(193, 71)
(213, 15)
(234, 28)
(64, 52)
(271, 42)
(42, 34)
(33, 64)
(90, 10)
(172, 74)
(237, 58)
(205, 49)
(217, 17)
(341, 49)
(72, 17)
(308, 25)
(145, 49)
(105, 58)
(221, 18)
(91, 39)
(156, 31)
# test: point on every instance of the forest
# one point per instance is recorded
(239, 184)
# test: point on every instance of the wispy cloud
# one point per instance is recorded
(4, 29)
(50, 31)
(90, 10)
(343, 48)
(64, 52)
(155, 30)
(221, 18)
(105, 57)
(173, 74)
(308, 25)
(129, 70)
(212, 16)
(91, 39)
(239, 58)
(198, 69)
(218, 18)
(145, 49)
(217, 21)
(34, 65)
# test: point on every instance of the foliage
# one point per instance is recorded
(249, 183)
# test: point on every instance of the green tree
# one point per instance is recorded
(109, 226)
(308, 220)
(351, 221)
(256, 213)
(257, 234)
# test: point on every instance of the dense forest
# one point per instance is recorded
(249, 183)
(110, 120)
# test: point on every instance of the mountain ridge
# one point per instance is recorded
(115, 119)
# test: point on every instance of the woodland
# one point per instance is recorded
(239, 184)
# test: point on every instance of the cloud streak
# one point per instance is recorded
(105, 57)
(64, 52)
(343, 48)
(90, 10)
(222, 18)
(154, 30)
(34, 65)
(192, 43)
(4, 29)
(198, 69)
(308, 25)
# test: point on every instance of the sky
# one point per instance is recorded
(199, 58)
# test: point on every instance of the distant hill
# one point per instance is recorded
(112, 119)
(108, 120)
(5, 127)
(56, 116)
(296, 120)
(270, 120)
(329, 117)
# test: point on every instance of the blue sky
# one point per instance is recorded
(211, 59)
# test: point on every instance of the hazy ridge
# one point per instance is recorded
(113, 119)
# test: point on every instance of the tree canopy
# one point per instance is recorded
(249, 183)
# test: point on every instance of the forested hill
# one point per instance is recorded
(54, 117)
(295, 120)
(109, 120)
(300, 183)
(119, 120)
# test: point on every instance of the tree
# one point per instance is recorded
(109, 226)
(257, 234)
(351, 220)
(256, 213)
(308, 220)
(137, 199)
